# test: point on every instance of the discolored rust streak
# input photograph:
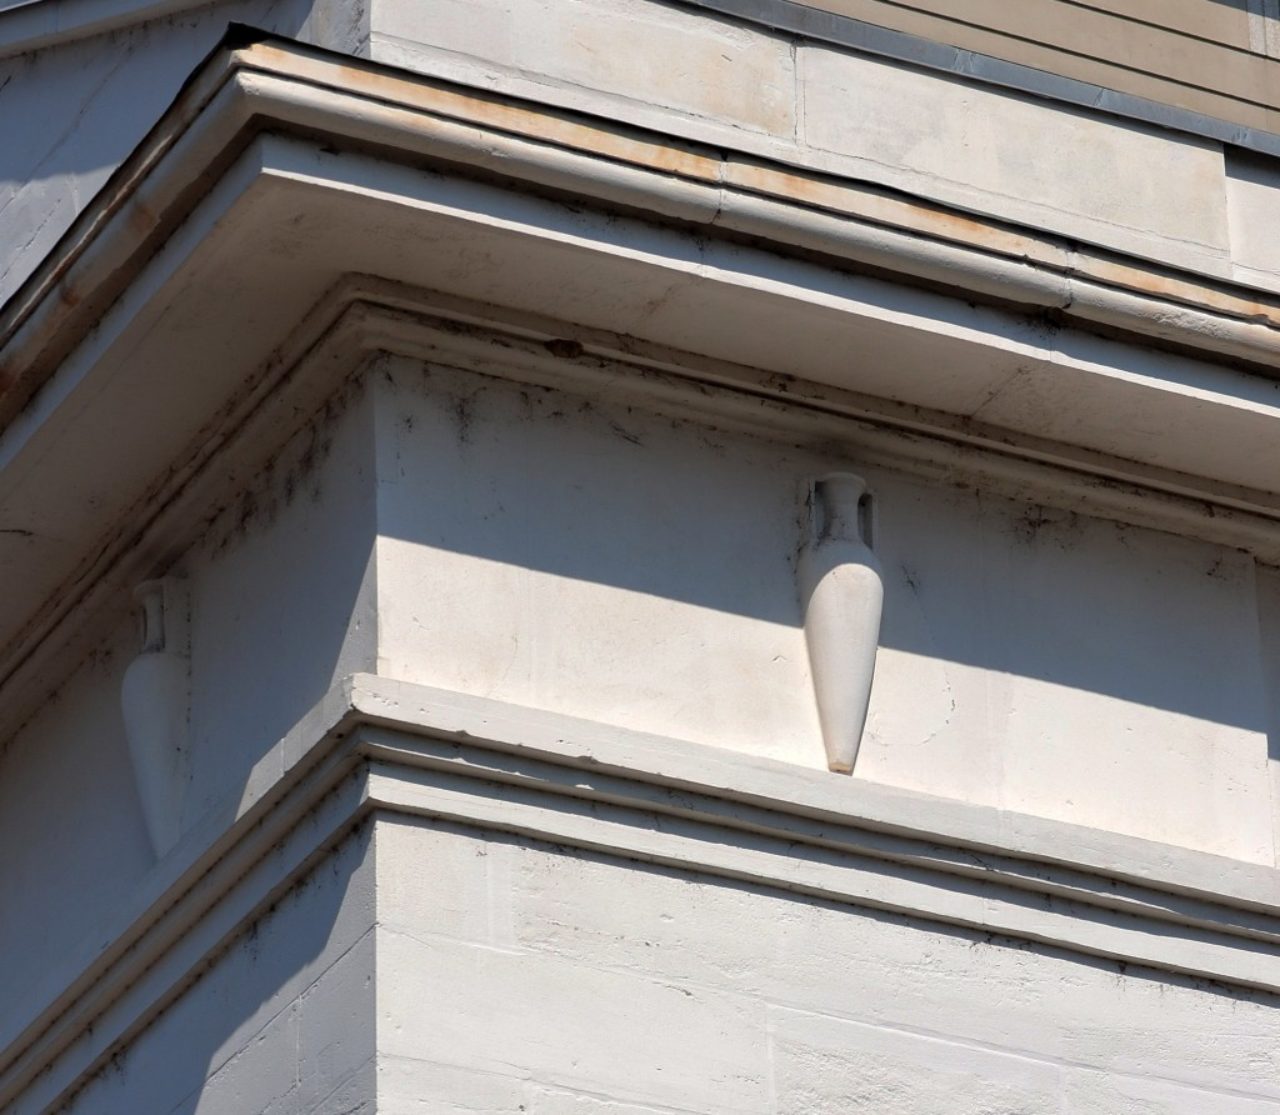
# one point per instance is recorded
(868, 203)
(534, 122)
(1189, 291)
(141, 220)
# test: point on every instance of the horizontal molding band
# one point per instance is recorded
(274, 85)
(657, 773)
(819, 23)
(375, 744)
(431, 326)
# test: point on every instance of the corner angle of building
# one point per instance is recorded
(626, 557)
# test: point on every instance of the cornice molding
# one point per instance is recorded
(379, 746)
(271, 127)
(274, 86)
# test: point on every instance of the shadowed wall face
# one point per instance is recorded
(281, 609)
(515, 977)
(282, 1022)
(71, 114)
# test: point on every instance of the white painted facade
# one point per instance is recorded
(465, 371)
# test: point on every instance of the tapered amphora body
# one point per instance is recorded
(842, 596)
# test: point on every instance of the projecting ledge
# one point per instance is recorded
(485, 763)
(281, 172)
(377, 747)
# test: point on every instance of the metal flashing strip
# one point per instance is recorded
(376, 745)
(31, 25)
(808, 22)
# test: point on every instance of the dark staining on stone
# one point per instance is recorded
(624, 433)
(462, 412)
(564, 348)
(1039, 523)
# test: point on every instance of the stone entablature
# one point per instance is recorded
(467, 451)
(1098, 167)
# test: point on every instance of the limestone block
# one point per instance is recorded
(279, 1023)
(336, 1033)
(408, 1086)
(993, 685)
(831, 1064)
(555, 1101)
(357, 1095)
(859, 997)
(568, 554)
(634, 49)
(1065, 170)
(465, 893)
(260, 1077)
(1094, 1093)
(1253, 200)
(570, 1025)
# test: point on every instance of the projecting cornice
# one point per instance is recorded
(280, 87)
(273, 85)
(221, 252)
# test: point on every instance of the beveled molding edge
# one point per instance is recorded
(375, 745)
(280, 85)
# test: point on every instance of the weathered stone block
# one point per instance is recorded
(1069, 171)
(648, 53)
